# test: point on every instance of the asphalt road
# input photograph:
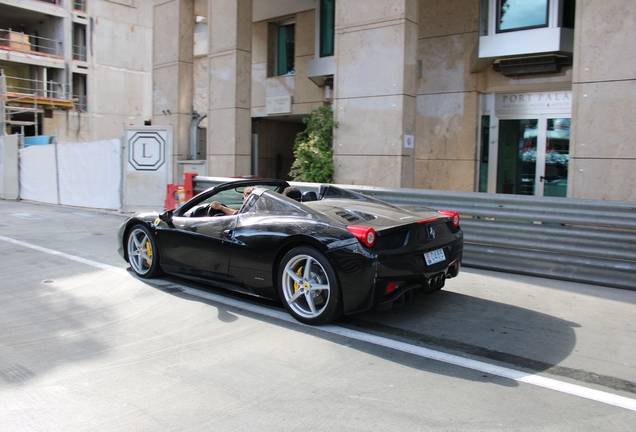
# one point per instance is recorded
(85, 345)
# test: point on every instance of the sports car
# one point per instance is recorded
(326, 253)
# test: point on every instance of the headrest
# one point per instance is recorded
(309, 196)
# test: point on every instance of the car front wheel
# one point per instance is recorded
(308, 286)
(143, 254)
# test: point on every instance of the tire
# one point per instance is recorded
(143, 254)
(308, 286)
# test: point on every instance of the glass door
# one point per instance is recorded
(533, 156)
(557, 157)
(517, 156)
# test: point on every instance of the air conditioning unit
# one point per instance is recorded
(531, 65)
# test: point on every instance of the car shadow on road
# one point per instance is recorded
(476, 326)
(459, 324)
(485, 330)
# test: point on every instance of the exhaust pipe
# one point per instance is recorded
(437, 280)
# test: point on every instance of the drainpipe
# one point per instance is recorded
(194, 133)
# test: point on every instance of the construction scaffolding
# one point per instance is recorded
(29, 96)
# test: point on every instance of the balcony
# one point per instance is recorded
(20, 42)
(22, 92)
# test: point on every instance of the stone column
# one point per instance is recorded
(602, 150)
(230, 68)
(375, 92)
(172, 65)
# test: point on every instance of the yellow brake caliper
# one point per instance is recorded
(149, 252)
(299, 272)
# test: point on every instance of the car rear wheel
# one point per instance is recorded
(308, 286)
(143, 254)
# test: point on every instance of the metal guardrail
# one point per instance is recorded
(579, 240)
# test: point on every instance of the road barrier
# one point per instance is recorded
(579, 240)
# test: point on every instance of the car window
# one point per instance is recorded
(271, 203)
(230, 198)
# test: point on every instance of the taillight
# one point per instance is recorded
(451, 214)
(365, 235)
(390, 287)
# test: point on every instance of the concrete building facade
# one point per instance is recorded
(528, 97)
(76, 70)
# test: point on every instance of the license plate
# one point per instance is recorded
(435, 256)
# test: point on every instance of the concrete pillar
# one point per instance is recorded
(9, 167)
(375, 92)
(172, 66)
(602, 150)
(230, 70)
(448, 95)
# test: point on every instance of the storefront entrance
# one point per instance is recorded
(526, 144)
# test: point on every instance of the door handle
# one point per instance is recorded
(541, 178)
(227, 233)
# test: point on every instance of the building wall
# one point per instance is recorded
(602, 79)
(450, 90)
(604, 87)
(402, 68)
(411, 67)
(118, 73)
(374, 92)
(447, 95)
(306, 96)
(200, 85)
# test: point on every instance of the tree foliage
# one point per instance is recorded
(313, 148)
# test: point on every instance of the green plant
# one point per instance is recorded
(313, 148)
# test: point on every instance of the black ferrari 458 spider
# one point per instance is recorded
(323, 254)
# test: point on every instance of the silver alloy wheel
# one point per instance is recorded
(305, 285)
(140, 251)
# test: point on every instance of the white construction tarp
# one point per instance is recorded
(38, 174)
(78, 174)
(90, 174)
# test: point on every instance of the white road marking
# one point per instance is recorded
(519, 376)
(65, 255)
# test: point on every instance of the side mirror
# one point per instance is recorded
(167, 216)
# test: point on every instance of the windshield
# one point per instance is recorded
(231, 197)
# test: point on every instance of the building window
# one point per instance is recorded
(567, 19)
(79, 92)
(327, 26)
(285, 50)
(483, 156)
(515, 15)
(202, 144)
(79, 5)
(511, 28)
(501, 16)
(79, 42)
